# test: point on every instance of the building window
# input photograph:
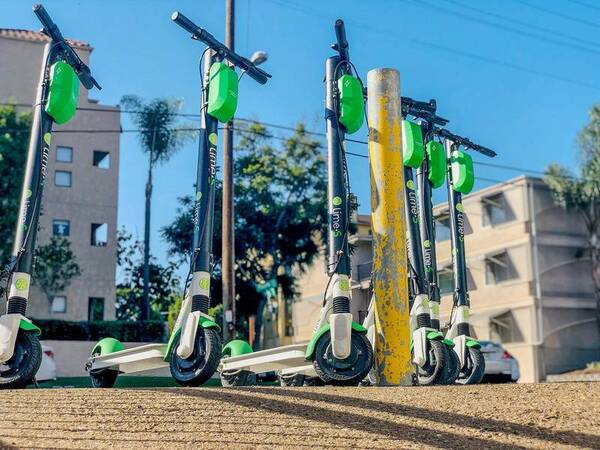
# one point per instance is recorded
(64, 154)
(494, 210)
(59, 304)
(61, 227)
(446, 280)
(499, 268)
(62, 178)
(99, 236)
(442, 228)
(101, 159)
(95, 309)
(504, 328)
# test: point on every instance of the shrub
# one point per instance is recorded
(124, 331)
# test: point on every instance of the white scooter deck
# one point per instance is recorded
(136, 359)
(290, 357)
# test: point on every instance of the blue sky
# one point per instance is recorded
(493, 80)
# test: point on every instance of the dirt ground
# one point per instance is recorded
(549, 416)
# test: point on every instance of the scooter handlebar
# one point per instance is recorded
(342, 42)
(465, 142)
(49, 26)
(202, 35)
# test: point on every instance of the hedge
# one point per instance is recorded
(124, 331)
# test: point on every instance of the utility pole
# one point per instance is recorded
(228, 233)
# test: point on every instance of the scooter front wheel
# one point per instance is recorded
(20, 369)
(474, 369)
(435, 368)
(202, 363)
(453, 369)
(348, 371)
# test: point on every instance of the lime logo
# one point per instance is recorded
(198, 196)
(460, 207)
(212, 138)
(454, 251)
(337, 201)
(344, 285)
(411, 185)
(28, 193)
(426, 243)
(435, 307)
(47, 138)
(204, 283)
(21, 284)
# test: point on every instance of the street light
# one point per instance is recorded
(259, 57)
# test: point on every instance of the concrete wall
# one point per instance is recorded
(92, 198)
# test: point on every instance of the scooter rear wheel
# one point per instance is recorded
(348, 371)
(105, 378)
(202, 363)
(434, 370)
(474, 368)
(239, 378)
(20, 369)
(453, 369)
(294, 380)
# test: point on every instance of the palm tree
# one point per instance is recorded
(581, 193)
(160, 137)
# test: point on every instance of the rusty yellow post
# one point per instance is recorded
(390, 283)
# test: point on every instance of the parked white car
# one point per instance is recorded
(500, 365)
(47, 370)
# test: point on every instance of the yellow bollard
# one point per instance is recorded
(390, 282)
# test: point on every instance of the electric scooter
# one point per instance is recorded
(193, 351)
(338, 351)
(460, 180)
(431, 355)
(431, 175)
(56, 102)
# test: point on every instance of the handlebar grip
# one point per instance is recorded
(342, 42)
(49, 26)
(185, 23)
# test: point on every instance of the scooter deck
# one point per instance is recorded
(136, 359)
(273, 359)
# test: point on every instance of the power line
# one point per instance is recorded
(447, 49)
(579, 2)
(498, 26)
(523, 23)
(558, 14)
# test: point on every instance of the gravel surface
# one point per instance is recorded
(549, 416)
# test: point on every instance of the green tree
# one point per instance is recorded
(14, 138)
(160, 137)
(580, 193)
(280, 215)
(164, 286)
(55, 266)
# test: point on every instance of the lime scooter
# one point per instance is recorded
(430, 354)
(338, 351)
(460, 180)
(56, 102)
(194, 347)
(431, 175)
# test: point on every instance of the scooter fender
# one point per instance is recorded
(419, 340)
(310, 348)
(341, 334)
(9, 328)
(188, 332)
(460, 347)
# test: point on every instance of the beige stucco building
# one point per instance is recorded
(529, 276)
(80, 195)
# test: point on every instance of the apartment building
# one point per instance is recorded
(80, 195)
(529, 276)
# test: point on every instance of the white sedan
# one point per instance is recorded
(500, 365)
(47, 370)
